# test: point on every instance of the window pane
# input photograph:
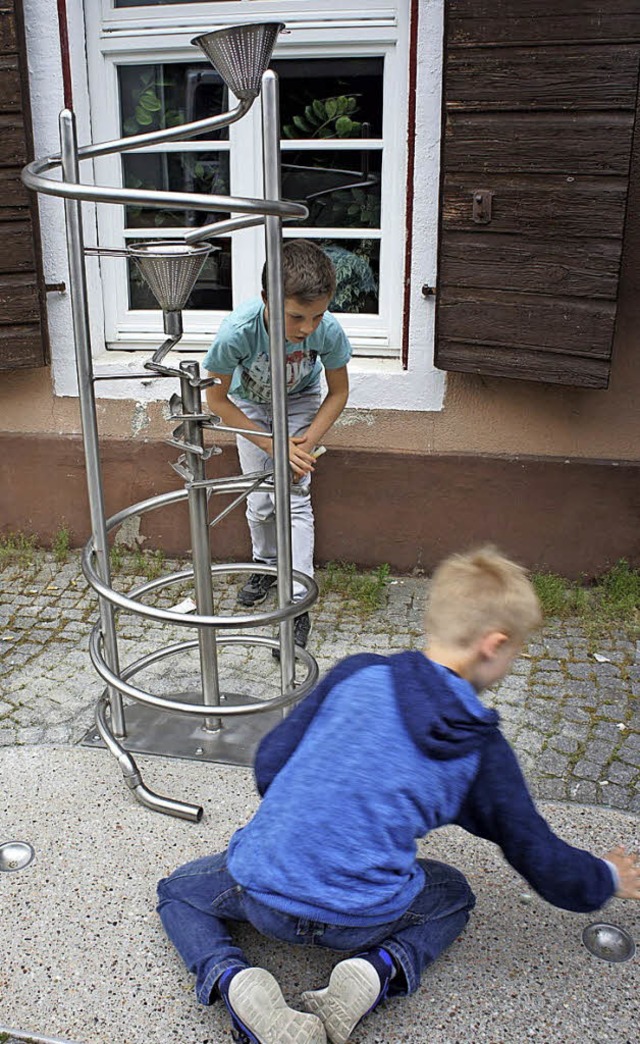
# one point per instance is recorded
(357, 264)
(153, 97)
(203, 172)
(211, 292)
(341, 189)
(330, 97)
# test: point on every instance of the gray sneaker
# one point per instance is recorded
(260, 1014)
(354, 990)
(256, 589)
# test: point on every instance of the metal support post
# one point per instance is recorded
(84, 370)
(277, 354)
(200, 547)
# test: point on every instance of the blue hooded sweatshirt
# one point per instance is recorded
(384, 750)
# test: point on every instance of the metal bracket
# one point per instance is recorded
(184, 472)
(206, 420)
(190, 447)
(163, 371)
(204, 382)
(482, 206)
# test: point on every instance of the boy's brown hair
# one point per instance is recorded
(307, 272)
(477, 592)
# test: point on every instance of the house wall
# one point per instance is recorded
(548, 473)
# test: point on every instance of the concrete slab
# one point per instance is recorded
(84, 958)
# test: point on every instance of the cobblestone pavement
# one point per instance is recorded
(570, 707)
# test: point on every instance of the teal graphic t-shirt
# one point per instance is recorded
(242, 349)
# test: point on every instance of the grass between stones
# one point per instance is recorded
(17, 549)
(599, 605)
(364, 589)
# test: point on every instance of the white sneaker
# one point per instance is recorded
(354, 990)
(260, 1014)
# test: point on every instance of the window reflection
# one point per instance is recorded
(341, 189)
(206, 173)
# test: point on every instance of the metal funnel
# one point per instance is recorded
(170, 269)
(241, 53)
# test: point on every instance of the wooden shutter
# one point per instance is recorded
(538, 107)
(23, 336)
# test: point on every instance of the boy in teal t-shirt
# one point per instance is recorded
(239, 357)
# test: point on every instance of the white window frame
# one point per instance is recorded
(320, 28)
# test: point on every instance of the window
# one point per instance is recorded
(342, 75)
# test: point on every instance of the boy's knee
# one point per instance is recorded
(453, 879)
(260, 511)
(467, 896)
(171, 887)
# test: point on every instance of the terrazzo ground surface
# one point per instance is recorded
(83, 955)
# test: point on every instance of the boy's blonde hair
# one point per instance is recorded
(477, 592)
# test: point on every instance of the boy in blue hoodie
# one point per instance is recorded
(384, 750)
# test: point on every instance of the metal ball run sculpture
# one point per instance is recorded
(209, 724)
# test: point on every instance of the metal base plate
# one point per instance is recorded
(172, 735)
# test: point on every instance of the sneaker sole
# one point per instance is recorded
(256, 1001)
(354, 988)
(248, 601)
(252, 601)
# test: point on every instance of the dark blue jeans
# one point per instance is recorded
(200, 899)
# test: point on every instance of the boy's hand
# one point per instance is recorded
(300, 457)
(628, 867)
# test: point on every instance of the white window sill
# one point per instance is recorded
(376, 383)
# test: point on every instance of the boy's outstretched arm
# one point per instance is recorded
(498, 807)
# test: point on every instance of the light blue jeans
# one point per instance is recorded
(200, 901)
(261, 516)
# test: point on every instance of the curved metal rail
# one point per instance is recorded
(34, 177)
(132, 777)
(199, 710)
(131, 774)
(257, 619)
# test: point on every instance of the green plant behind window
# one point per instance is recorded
(326, 118)
(146, 105)
(356, 287)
